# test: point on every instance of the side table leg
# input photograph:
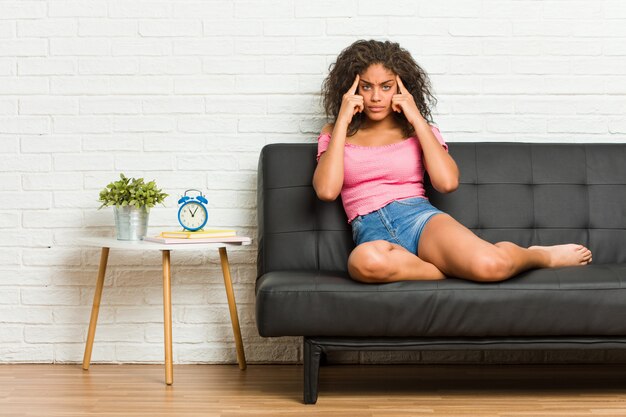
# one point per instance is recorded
(95, 309)
(167, 317)
(241, 356)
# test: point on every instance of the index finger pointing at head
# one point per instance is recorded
(401, 87)
(355, 84)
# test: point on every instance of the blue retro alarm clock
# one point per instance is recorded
(193, 214)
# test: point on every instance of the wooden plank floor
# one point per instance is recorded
(345, 391)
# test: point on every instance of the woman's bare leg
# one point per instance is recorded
(458, 252)
(382, 261)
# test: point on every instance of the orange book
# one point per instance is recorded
(200, 234)
(172, 240)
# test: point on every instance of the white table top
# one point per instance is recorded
(113, 243)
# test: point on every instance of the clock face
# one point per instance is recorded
(192, 215)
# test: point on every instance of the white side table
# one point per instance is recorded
(107, 243)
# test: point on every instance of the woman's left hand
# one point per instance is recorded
(403, 102)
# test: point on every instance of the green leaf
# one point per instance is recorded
(131, 191)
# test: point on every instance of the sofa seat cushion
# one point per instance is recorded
(581, 301)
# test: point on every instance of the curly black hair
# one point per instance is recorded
(356, 58)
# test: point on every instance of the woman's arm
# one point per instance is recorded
(328, 176)
(443, 171)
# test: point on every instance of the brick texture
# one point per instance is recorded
(187, 92)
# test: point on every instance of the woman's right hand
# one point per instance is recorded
(351, 104)
(328, 176)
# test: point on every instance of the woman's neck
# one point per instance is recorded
(388, 123)
(378, 133)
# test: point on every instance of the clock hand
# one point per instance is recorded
(194, 212)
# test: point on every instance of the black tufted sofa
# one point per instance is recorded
(525, 193)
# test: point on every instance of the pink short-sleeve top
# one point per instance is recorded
(374, 176)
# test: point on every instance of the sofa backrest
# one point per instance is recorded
(530, 194)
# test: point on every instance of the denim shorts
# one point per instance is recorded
(400, 222)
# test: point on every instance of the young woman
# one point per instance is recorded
(375, 154)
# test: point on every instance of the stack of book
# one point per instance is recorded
(200, 236)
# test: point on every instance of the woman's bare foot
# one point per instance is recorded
(565, 255)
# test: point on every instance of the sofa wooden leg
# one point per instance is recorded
(312, 355)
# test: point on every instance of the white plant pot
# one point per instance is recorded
(131, 223)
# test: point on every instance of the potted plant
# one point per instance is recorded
(132, 199)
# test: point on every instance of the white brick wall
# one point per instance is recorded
(187, 93)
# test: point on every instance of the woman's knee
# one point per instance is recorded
(369, 262)
(491, 266)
